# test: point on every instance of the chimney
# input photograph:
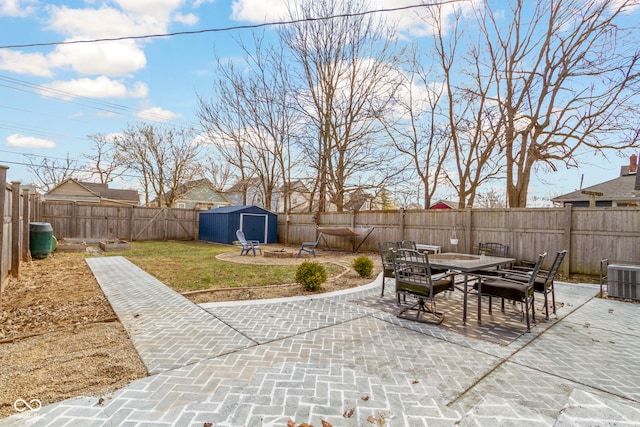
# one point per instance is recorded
(633, 164)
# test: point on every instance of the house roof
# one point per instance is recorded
(357, 198)
(65, 191)
(242, 185)
(190, 185)
(103, 191)
(444, 204)
(618, 189)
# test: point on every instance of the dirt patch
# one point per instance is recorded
(59, 337)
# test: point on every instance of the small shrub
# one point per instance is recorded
(363, 266)
(311, 275)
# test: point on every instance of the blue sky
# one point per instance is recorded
(122, 82)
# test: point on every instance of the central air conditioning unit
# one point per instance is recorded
(623, 281)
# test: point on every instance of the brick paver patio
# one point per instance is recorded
(348, 360)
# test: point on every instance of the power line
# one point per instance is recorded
(235, 27)
(84, 101)
(71, 169)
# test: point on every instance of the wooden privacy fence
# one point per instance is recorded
(588, 234)
(86, 221)
(14, 229)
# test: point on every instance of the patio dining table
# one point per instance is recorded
(465, 264)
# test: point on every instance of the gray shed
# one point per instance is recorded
(220, 225)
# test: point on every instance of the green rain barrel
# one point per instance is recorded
(40, 239)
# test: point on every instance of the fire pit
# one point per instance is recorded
(279, 254)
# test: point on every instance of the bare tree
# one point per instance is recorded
(250, 119)
(345, 67)
(49, 173)
(102, 162)
(470, 122)
(491, 199)
(416, 129)
(164, 158)
(218, 173)
(564, 78)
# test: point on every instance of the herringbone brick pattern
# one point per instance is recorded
(268, 322)
(168, 330)
(349, 361)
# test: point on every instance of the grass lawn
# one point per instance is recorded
(186, 266)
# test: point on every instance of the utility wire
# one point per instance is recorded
(85, 101)
(236, 27)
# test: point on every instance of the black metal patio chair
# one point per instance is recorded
(414, 278)
(514, 290)
(407, 244)
(543, 281)
(386, 250)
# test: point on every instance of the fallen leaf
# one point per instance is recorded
(326, 424)
(415, 381)
(372, 419)
(208, 424)
(291, 423)
(365, 398)
(349, 413)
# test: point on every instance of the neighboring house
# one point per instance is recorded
(359, 200)
(199, 195)
(254, 193)
(72, 190)
(300, 195)
(299, 199)
(621, 191)
(444, 204)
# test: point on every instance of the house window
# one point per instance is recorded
(181, 205)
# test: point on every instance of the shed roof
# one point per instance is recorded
(234, 209)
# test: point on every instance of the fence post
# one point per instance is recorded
(3, 195)
(25, 224)
(401, 213)
(15, 228)
(131, 222)
(75, 231)
(566, 268)
(467, 230)
(166, 224)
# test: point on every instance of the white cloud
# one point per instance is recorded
(198, 3)
(258, 10)
(157, 114)
(35, 64)
(118, 58)
(100, 87)
(414, 21)
(22, 141)
(15, 8)
(113, 58)
(160, 10)
(105, 22)
(189, 19)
